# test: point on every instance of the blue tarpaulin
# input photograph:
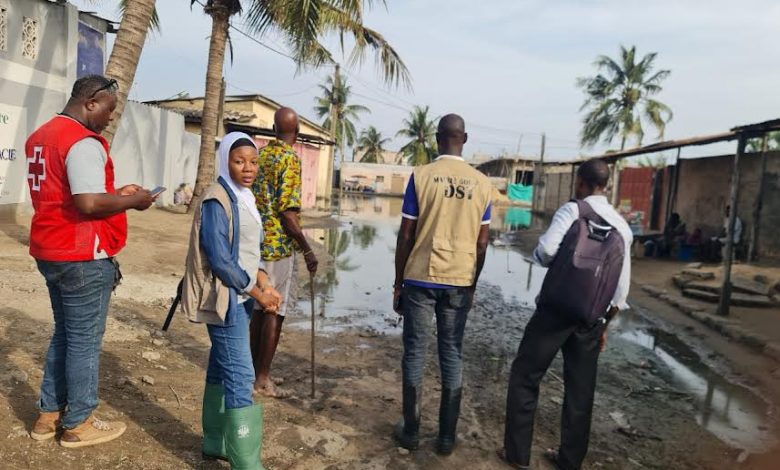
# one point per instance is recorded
(520, 192)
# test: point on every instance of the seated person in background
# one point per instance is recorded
(674, 235)
(721, 240)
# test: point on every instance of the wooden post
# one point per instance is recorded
(333, 112)
(753, 250)
(616, 183)
(725, 292)
(573, 181)
(671, 194)
(538, 202)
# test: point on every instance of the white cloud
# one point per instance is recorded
(512, 64)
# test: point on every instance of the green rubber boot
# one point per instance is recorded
(213, 421)
(244, 437)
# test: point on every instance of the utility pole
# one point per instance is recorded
(539, 179)
(334, 112)
(725, 292)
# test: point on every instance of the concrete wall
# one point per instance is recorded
(703, 193)
(384, 179)
(151, 148)
(32, 90)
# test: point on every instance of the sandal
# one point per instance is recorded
(272, 391)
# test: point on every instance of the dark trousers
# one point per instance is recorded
(545, 334)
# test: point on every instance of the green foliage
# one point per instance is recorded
(347, 115)
(418, 127)
(773, 143)
(619, 99)
(372, 144)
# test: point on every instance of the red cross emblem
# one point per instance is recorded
(36, 168)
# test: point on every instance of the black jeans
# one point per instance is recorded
(451, 307)
(545, 334)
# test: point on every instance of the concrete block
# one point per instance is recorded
(651, 290)
(754, 340)
(682, 281)
(749, 286)
(772, 349)
(699, 273)
(699, 294)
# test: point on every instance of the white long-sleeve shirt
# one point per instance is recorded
(550, 242)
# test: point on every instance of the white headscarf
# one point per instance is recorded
(244, 195)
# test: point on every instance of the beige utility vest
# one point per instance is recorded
(452, 198)
(204, 298)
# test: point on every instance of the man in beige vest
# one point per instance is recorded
(439, 256)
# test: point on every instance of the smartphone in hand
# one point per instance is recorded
(157, 191)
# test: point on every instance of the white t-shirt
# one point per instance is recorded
(85, 165)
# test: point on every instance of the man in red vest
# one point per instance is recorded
(78, 227)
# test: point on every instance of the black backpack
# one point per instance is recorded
(584, 274)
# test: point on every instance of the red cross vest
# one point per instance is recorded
(59, 232)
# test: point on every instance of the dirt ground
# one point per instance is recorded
(637, 424)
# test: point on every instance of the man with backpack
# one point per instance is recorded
(587, 251)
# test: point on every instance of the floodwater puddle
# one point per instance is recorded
(357, 295)
(730, 411)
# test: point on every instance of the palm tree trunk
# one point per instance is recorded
(209, 125)
(616, 176)
(126, 53)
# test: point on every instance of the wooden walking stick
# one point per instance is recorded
(311, 292)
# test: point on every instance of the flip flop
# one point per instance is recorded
(272, 391)
(501, 453)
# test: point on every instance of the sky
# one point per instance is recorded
(509, 67)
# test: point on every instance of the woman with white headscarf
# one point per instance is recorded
(224, 276)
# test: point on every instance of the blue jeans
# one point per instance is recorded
(230, 359)
(80, 293)
(451, 307)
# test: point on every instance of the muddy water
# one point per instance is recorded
(356, 295)
(726, 409)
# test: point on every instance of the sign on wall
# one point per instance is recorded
(92, 44)
(13, 163)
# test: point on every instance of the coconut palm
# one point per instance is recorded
(302, 23)
(773, 143)
(371, 144)
(335, 102)
(421, 149)
(138, 17)
(620, 100)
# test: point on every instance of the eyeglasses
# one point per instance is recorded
(110, 86)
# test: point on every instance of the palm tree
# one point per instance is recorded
(421, 149)
(371, 144)
(773, 143)
(618, 101)
(302, 23)
(138, 17)
(335, 101)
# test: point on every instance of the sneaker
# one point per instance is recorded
(46, 425)
(92, 431)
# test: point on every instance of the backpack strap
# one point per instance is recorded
(586, 212)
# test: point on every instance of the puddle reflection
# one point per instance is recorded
(358, 292)
(729, 411)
